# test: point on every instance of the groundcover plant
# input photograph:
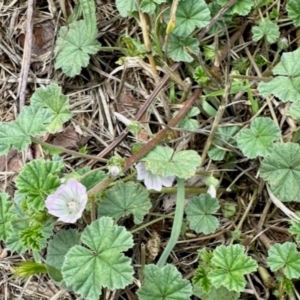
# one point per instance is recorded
(186, 180)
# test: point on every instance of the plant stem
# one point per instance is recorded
(176, 228)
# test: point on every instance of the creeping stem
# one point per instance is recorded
(176, 228)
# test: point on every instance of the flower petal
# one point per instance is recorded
(141, 170)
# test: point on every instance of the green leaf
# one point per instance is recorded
(285, 256)
(294, 110)
(164, 283)
(258, 139)
(295, 229)
(92, 178)
(149, 6)
(187, 122)
(124, 199)
(220, 293)
(127, 7)
(201, 281)
(99, 263)
(35, 236)
(223, 135)
(281, 168)
(241, 7)
(293, 9)
(267, 29)
(190, 14)
(6, 217)
(161, 161)
(73, 47)
(37, 180)
(230, 266)
(177, 48)
(199, 213)
(57, 104)
(89, 16)
(58, 247)
(30, 122)
(287, 86)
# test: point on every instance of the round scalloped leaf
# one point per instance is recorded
(124, 199)
(287, 86)
(164, 283)
(267, 29)
(293, 9)
(38, 179)
(100, 262)
(73, 46)
(161, 161)
(58, 247)
(281, 168)
(199, 213)
(230, 264)
(177, 48)
(258, 140)
(190, 14)
(241, 7)
(57, 103)
(287, 257)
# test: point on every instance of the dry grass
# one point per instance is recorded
(105, 87)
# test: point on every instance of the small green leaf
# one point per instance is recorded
(223, 135)
(267, 29)
(293, 9)
(215, 8)
(35, 236)
(285, 256)
(258, 140)
(220, 293)
(187, 122)
(30, 122)
(149, 6)
(177, 48)
(230, 266)
(92, 178)
(201, 281)
(37, 180)
(190, 14)
(295, 229)
(124, 199)
(164, 283)
(99, 263)
(286, 86)
(6, 216)
(57, 103)
(199, 213)
(127, 7)
(58, 247)
(241, 7)
(161, 161)
(281, 168)
(73, 47)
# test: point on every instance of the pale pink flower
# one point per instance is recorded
(114, 171)
(152, 181)
(68, 202)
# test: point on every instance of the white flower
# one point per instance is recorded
(152, 181)
(114, 170)
(68, 202)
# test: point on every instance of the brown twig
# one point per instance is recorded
(120, 138)
(151, 144)
(26, 55)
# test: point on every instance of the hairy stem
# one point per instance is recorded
(176, 223)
